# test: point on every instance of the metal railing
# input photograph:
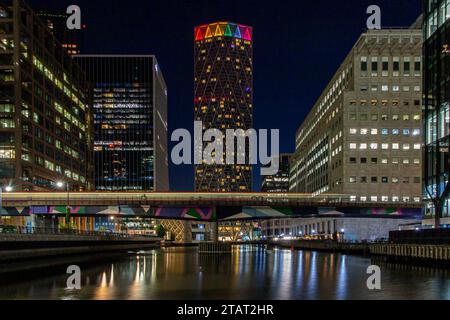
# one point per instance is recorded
(6, 229)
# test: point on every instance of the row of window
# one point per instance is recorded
(386, 88)
(354, 160)
(385, 146)
(374, 131)
(394, 180)
(384, 117)
(384, 102)
(387, 65)
(385, 199)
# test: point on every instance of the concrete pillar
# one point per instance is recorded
(215, 231)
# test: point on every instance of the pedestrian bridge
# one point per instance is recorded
(199, 206)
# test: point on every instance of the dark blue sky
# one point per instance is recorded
(298, 45)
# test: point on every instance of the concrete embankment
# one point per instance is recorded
(409, 252)
(398, 252)
(20, 247)
(324, 246)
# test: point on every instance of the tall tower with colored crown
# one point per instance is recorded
(223, 88)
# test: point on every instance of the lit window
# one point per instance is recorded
(353, 146)
(363, 146)
(416, 132)
(395, 146)
(417, 146)
(374, 199)
(406, 146)
(8, 154)
(385, 146)
(353, 131)
(364, 131)
(374, 132)
(384, 132)
(374, 146)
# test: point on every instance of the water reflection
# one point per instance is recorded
(249, 273)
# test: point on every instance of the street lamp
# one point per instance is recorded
(7, 189)
(61, 185)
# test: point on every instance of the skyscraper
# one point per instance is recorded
(437, 115)
(278, 182)
(223, 92)
(363, 137)
(45, 119)
(129, 98)
(71, 40)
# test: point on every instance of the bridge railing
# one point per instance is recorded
(6, 229)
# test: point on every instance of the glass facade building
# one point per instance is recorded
(437, 115)
(223, 92)
(56, 21)
(129, 99)
(279, 182)
(45, 131)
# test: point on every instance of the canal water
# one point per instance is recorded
(249, 273)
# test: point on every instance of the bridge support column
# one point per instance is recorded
(215, 231)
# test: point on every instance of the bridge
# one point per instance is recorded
(198, 206)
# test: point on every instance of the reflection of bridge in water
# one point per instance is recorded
(199, 206)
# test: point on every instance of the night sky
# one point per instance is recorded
(298, 45)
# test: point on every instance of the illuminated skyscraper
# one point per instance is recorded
(129, 97)
(223, 100)
(278, 182)
(45, 118)
(71, 40)
(437, 111)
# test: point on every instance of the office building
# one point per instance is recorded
(223, 92)
(437, 116)
(363, 136)
(45, 120)
(332, 228)
(278, 183)
(71, 40)
(129, 97)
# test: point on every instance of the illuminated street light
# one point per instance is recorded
(9, 189)
(61, 185)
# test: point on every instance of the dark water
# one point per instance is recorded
(249, 273)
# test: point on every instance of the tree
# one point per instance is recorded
(160, 231)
